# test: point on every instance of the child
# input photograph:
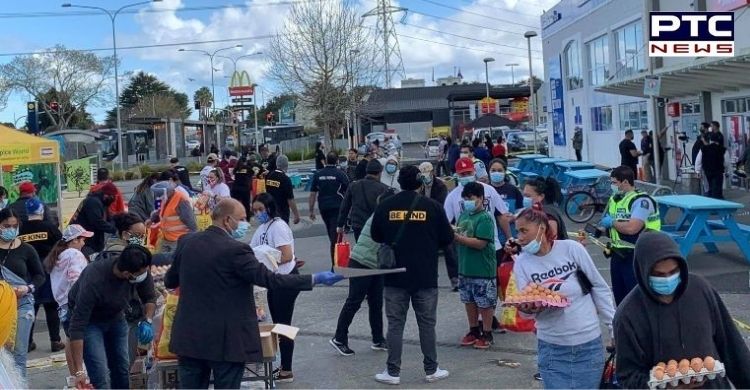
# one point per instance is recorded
(477, 267)
(65, 263)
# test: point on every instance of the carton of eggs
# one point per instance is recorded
(674, 373)
(537, 294)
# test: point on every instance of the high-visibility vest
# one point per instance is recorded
(620, 210)
(172, 227)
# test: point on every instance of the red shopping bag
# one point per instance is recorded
(510, 317)
(342, 251)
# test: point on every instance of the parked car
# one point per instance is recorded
(230, 142)
(522, 141)
(192, 144)
(494, 132)
(431, 148)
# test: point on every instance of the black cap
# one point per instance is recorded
(374, 167)
(174, 160)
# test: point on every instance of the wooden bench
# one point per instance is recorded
(717, 224)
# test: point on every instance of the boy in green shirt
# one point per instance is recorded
(477, 266)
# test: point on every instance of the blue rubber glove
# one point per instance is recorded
(606, 222)
(145, 332)
(326, 277)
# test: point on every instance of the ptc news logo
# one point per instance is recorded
(691, 34)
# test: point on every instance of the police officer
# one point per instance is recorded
(629, 213)
(328, 187)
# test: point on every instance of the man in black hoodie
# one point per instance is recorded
(674, 315)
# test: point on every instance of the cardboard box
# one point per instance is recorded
(139, 381)
(269, 337)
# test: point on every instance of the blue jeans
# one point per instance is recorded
(23, 330)
(105, 352)
(571, 367)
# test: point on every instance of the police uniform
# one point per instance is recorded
(620, 207)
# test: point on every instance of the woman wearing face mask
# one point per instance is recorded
(570, 347)
(274, 232)
(390, 172)
(546, 191)
(508, 192)
(217, 189)
(142, 201)
(64, 263)
(3, 198)
(22, 269)
(432, 187)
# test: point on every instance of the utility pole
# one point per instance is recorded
(390, 48)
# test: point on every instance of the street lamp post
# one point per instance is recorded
(487, 75)
(112, 16)
(532, 114)
(213, 86)
(512, 73)
(234, 60)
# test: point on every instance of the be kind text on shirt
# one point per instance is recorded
(400, 215)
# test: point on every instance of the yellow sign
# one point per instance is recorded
(240, 79)
(24, 154)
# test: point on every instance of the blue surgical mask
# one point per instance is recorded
(3, 203)
(527, 202)
(9, 234)
(497, 177)
(263, 217)
(664, 285)
(533, 247)
(468, 205)
(242, 228)
(466, 180)
(426, 178)
(390, 169)
(615, 189)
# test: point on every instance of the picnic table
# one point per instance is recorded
(544, 166)
(704, 220)
(561, 167)
(582, 178)
(526, 161)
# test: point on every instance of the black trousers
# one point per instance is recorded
(243, 196)
(451, 260)
(281, 305)
(715, 185)
(359, 288)
(195, 374)
(578, 155)
(330, 218)
(53, 321)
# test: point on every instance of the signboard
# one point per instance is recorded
(520, 105)
(726, 5)
(549, 18)
(691, 34)
(286, 113)
(241, 84)
(32, 118)
(651, 85)
(488, 105)
(556, 101)
(242, 100)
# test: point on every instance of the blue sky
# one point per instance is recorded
(489, 23)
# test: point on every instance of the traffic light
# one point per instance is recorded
(197, 105)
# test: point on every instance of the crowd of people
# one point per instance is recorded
(93, 278)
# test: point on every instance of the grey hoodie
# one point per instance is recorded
(695, 324)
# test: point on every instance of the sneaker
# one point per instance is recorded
(437, 375)
(57, 346)
(386, 378)
(470, 337)
(538, 376)
(341, 348)
(496, 327)
(280, 377)
(381, 346)
(32, 346)
(454, 284)
(484, 341)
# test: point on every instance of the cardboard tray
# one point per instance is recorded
(679, 378)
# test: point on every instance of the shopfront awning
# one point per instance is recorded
(704, 74)
(17, 147)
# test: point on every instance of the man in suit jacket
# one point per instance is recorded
(215, 327)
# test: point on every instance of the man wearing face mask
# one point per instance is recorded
(175, 216)
(92, 215)
(216, 274)
(98, 329)
(629, 213)
(674, 314)
(390, 172)
(480, 168)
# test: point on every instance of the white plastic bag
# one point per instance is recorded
(268, 256)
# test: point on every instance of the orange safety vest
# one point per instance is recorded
(171, 226)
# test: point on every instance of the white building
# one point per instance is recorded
(596, 58)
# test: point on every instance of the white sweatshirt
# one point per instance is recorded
(579, 322)
(69, 266)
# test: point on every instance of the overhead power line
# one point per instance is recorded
(465, 23)
(469, 38)
(464, 47)
(478, 14)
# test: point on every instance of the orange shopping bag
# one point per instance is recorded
(510, 318)
(342, 251)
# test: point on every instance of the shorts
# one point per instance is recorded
(481, 292)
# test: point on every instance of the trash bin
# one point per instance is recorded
(692, 182)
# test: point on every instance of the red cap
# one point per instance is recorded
(109, 189)
(27, 187)
(464, 164)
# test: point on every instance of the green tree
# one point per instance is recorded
(146, 95)
(80, 119)
(274, 105)
(205, 97)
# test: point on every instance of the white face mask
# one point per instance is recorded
(138, 279)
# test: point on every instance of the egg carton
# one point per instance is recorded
(679, 377)
(544, 303)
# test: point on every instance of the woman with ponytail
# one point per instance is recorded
(570, 347)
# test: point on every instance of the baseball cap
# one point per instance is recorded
(34, 206)
(74, 231)
(109, 189)
(26, 187)
(374, 167)
(425, 168)
(464, 164)
(212, 156)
